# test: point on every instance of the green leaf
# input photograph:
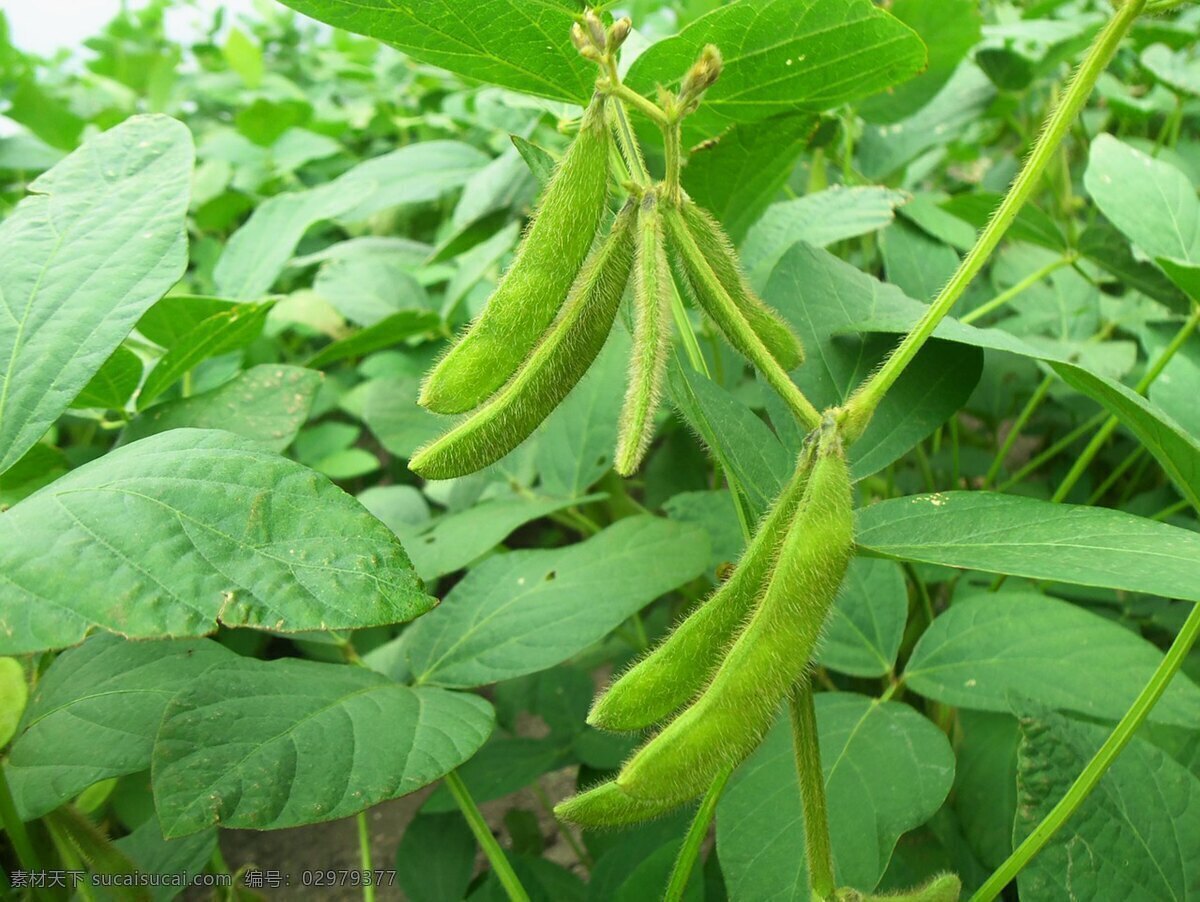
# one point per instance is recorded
(244, 57)
(390, 410)
(1135, 835)
(367, 291)
(528, 610)
(862, 637)
(989, 649)
(516, 45)
(384, 334)
(174, 317)
(240, 537)
(985, 782)
(257, 253)
(436, 858)
(738, 174)
(271, 744)
(94, 714)
(784, 56)
(221, 333)
(14, 693)
(172, 859)
(107, 222)
(1086, 546)
(1179, 71)
(114, 383)
(266, 404)
(887, 770)
(41, 465)
(503, 766)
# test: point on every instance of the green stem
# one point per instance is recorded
(483, 835)
(812, 792)
(685, 864)
(1155, 370)
(1054, 450)
(364, 857)
(1099, 764)
(862, 405)
(630, 148)
(638, 102)
(1172, 509)
(1111, 480)
(1024, 285)
(18, 836)
(1035, 401)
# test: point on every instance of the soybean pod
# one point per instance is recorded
(552, 370)
(606, 805)
(651, 338)
(535, 287)
(675, 672)
(774, 332)
(721, 728)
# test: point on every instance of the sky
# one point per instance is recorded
(43, 26)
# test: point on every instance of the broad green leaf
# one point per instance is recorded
(1175, 391)
(1180, 71)
(949, 29)
(1152, 203)
(271, 744)
(989, 650)
(436, 858)
(887, 770)
(244, 57)
(221, 333)
(94, 714)
(266, 404)
(367, 292)
(258, 252)
(1135, 835)
(985, 782)
(44, 114)
(528, 610)
(737, 175)
(503, 766)
(866, 625)
(916, 263)
(170, 858)
(391, 412)
(41, 465)
(1086, 546)
(384, 334)
(455, 540)
(820, 219)
(114, 383)
(175, 317)
(98, 241)
(740, 440)
(240, 537)
(516, 45)
(14, 693)
(784, 56)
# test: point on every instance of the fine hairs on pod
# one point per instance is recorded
(534, 288)
(551, 371)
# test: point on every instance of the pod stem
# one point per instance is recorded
(812, 791)
(364, 856)
(27, 856)
(1100, 763)
(483, 835)
(866, 399)
(685, 864)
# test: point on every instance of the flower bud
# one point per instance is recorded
(618, 33)
(595, 29)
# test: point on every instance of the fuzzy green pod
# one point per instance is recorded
(552, 370)
(651, 339)
(534, 289)
(942, 888)
(680, 666)
(784, 344)
(606, 805)
(721, 728)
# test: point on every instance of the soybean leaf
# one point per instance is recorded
(391, 411)
(368, 291)
(1152, 203)
(175, 316)
(736, 176)
(221, 333)
(1133, 837)
(384, 334)
(241, 537)
(270, 744)
(521, 46)
(436, 858)
(99, 240)
(41, 465)
(114, 383)
(783, 56)
(503, 766)
(171, 858)
(887, 770)
(94, 714)
(985, 782)
(866, 625)
(14, 694)
(258, 252)
(989, 649)
(1181, 71)
(528, 610)
(1087, 546)
(267, 404)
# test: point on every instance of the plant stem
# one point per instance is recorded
(1024, 285)
(630, 148)
(1155, 370)
(27, 856)
(864, 401)
(483, 835)
(364, 856)
(685, 864)
(1035, 400)
(1099, 764)
(812, 792)
(1116, 474)
(1065, 442)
